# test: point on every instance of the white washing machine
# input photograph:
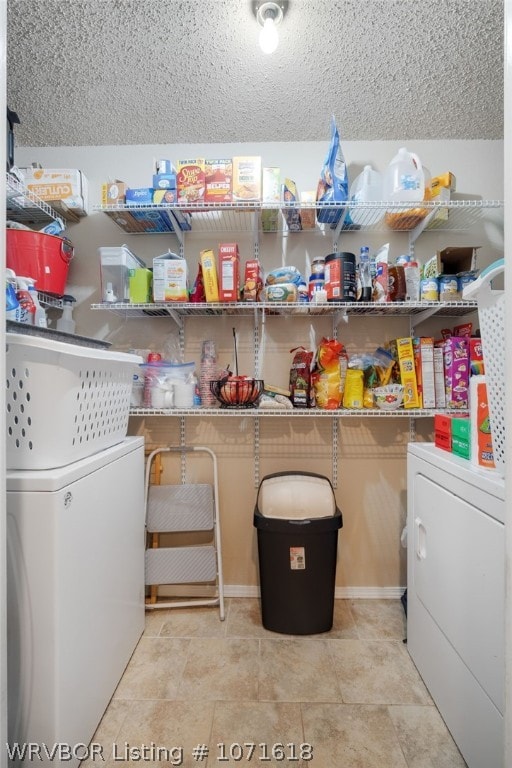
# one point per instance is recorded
(456, 595)
(75, 580)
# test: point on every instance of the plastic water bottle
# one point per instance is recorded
(404, 180)
(366, 188)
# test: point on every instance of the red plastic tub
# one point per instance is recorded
(43, 257)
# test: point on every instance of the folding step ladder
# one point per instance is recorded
(185, 507)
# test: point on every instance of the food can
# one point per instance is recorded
(429, 289)
(340, 276)
(465, 278)
(315, 284)
(317, 268)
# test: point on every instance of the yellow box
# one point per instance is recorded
(247, 178)
(210, 276)
(113, 192)
(405, 352)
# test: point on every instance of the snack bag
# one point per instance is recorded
(329, 373)
(333, 183)
(301, 392)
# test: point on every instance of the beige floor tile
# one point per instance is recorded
(343, 625)
(351, 736)
(379, 619)
(155, 620)
(155, 669)
(194, 622)
(297, 669)
(425, 739)
(377, 672)
(157, 733)
(107, 732)
(264, 724)
(221, 669)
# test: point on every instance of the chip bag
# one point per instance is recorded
(301, 391)
(329, 373)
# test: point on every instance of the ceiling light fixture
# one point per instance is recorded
(269, 15)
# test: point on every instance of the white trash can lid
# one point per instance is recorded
(296, 497)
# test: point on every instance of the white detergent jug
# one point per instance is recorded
(404, 180)
(366, 188)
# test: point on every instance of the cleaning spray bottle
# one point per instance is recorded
(39, 315)
(12, 305)
(65, 323)
(27, 306)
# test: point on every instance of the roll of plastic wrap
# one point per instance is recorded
(481, 438)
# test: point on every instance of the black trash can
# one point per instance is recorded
(297, 521)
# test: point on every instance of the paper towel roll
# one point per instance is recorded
(481, 439)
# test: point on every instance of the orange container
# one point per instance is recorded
(43, 257)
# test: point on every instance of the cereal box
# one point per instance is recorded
(170, 278)
(218, 181)
(229, 272)
(246, 178)
(456, 371)
(190, 181)
(405, 354)
(253, 280)
(210, 276)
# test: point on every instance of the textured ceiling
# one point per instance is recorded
(104, 72)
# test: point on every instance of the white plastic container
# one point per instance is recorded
(366, 188)
(404, 179)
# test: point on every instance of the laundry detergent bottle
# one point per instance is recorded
(366, 188)
(404, 179)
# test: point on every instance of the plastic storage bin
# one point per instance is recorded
(64, 402)
(297, 521)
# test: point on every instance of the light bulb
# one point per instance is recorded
(268, 36)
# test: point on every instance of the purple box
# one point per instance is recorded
(456, 371)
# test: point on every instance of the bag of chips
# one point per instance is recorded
(301, 391)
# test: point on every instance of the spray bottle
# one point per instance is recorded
(27, 306)
(39, 315)
(65, 323)
(12, 305)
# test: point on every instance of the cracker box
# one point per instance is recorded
(405, 354)
(246, 178)
(59, 184)
(190, 181)
(229, 272)
(456, 371)
(170, 278)
(113, 192)
(210, 276)
(218, 181)
(253, 280)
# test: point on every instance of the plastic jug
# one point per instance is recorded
(404, 180)
(366, 188)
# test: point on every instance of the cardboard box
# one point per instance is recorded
(246, 178)
(165, 197)
(210, 277)
(218, 180)
(308, 215)
(140, 286)
(451, 261)
(443, 431)
(290, 213)
(64, 184)
(456, 371)
(229, 272)
(190, 181)
(476, 357)
(253, 280)
(164, 181)
(461, 436)
(113, 192)
(424, 367)
(139, 196)
(116, 263)
(405, 353)
(440, 392)
(271, 193)
(170, 278)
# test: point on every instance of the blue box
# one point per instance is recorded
(139, 196)
(164, 181)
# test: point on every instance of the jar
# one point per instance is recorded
(340, 276)
(396, 282)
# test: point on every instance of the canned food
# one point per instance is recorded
(317, 268)
(429, 289)
(449, 288)
(465, 278)
(340, 276)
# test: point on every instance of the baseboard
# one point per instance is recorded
(244, 590)
(340, 593)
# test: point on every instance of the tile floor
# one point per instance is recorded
(353, 694)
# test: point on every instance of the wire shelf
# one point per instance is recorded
(287, 413)
(24, 207)
(372, 309)
(247, 217)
